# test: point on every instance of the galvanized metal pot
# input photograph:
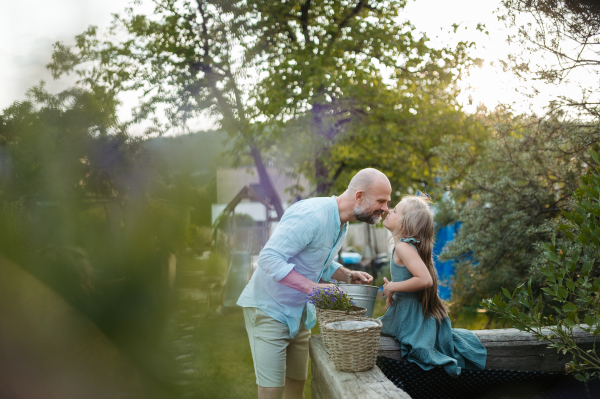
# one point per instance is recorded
(362, 295)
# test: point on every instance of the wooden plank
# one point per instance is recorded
(508, 336)
(510, 349)
(329, 383)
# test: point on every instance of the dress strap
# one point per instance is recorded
(411, 241)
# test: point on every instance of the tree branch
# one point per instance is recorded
(355, 11)
(304, 20)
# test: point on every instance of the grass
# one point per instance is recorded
(215, 357)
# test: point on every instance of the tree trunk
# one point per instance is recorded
(322, 174)
(265, 182)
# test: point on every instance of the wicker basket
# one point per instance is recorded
(356, 349)
(325, 315)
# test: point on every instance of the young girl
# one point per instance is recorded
(416, 316)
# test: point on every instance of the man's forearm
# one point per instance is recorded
(340, 274)
(298, 282)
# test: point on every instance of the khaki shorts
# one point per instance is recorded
(275, 354)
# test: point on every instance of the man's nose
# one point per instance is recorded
(385, 208)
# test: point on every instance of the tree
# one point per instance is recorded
(508, 195)
(571, 292)
(565, 33)
(187, 57)
(302, 71)
(186, 168)
(343, 76)
(404, 145)
(67, 145)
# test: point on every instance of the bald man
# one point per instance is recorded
(296, 258)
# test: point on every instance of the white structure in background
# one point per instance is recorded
(231, 181)
(381, 238)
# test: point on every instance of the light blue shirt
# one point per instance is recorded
(306, 240)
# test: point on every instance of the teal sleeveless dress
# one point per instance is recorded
(422, 339)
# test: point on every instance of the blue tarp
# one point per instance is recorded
(445, 270)
(350, 258)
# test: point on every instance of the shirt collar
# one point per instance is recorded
(337, 219)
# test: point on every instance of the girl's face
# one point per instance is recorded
(392, 220)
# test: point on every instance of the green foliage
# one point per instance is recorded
(186, 168)
(445, 211)
(325, 88)
(332, 298)
(68, 144)
(217, 265)
(402, 143)
(570, 298)
(77, 212)
(385, 272)
(188, 58)
(350, 87)
(508, 195)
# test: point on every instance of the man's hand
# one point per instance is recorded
(361, 277)
(388, 293)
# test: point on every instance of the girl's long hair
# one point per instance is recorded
(417, 222)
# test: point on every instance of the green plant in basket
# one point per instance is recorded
(332, 298)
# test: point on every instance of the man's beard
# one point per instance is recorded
(366, 216)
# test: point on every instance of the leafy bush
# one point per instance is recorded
(571, 295)
(508, 196)
(77, 212)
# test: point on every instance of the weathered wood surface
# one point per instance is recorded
(510, 349)
(329, 383)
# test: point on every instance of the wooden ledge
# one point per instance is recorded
(329, 383)
(510, 349)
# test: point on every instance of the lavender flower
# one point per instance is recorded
(332, 298)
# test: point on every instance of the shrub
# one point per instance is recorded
(571, 289)
(508, 196)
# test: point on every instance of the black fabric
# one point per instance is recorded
(485, 384)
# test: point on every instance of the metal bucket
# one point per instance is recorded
(362, 295)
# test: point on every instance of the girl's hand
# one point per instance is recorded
(388, 293)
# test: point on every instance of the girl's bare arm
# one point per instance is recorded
(406, 255)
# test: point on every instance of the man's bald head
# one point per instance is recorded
(371, 190)
(367, 178)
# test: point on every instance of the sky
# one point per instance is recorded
(28, 29)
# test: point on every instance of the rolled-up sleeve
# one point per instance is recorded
(330, 271)
(295, 231)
